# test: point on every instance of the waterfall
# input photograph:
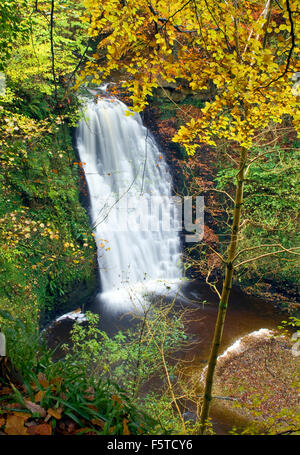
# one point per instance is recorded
(125, 173)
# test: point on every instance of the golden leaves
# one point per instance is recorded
(206, 50)
(15, 424)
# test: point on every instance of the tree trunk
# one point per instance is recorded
(231, 252)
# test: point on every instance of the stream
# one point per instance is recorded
(246, 314)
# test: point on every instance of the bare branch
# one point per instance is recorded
(270, 245)
(222, 191)
(212, 285)
(290, 251)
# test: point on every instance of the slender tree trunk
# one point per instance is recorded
(231, 252)
(52, 48)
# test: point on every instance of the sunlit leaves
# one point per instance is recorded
(203, 41)
(34, 48)
(13, 25)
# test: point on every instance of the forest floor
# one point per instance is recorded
(262, 378)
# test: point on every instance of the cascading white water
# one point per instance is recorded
(122, 161)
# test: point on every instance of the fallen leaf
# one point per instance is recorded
(33, 407)
(39, 396)
(43, 429)
(15, 425)
(116, 398)
(26, 415)
(43, 380)
(56, 413)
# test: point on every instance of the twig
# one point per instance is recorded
(270, 245)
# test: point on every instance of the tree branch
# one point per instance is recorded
(284, 250)
(271, 245)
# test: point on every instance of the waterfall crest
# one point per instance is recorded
(123, 163)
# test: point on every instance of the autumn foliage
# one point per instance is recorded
(247, 49)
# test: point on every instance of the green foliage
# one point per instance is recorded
(169, 109)
(92, 403)
(272, 197)
(12, 26)
(133, 359)
(166, 107)
(69, 44)
(45, 241)
(106, 378)
(46, 247)
(22, 336)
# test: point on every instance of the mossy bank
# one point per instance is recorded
(47, 252)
